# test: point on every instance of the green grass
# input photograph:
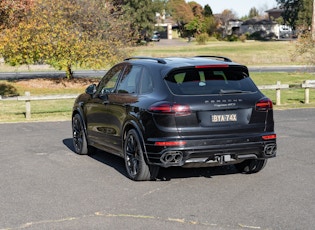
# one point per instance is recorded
(14, 111)
(292, 97)
(248, 53)
(251, 53)
(50, 110)
(292, 79)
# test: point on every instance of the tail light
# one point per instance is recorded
(168, 108)
(264, 104)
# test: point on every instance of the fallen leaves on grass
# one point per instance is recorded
(57, 83)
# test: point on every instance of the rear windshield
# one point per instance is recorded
(209, 81)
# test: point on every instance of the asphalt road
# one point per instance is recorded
(101, 73)
(45, 185)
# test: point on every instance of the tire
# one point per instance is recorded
(136, 167)
(79, 136)
(251, 166)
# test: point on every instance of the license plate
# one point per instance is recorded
(224, 118)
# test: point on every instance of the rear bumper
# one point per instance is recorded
(210, 152)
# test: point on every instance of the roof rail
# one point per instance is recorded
(216, 57)
(159, 60)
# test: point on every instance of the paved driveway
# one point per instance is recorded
(45, 185)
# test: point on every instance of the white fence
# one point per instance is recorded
(307, 85)
(278, 87)
(28, 98)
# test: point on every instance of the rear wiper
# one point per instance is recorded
(231, 91)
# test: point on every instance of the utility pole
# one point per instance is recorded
(313, 21)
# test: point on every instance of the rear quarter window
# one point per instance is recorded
(203, 81)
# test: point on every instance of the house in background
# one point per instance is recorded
(233, 26)
(266, 28)
(164, 26)
(258, 28)
(274, 13)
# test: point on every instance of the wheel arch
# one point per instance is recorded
(132, 124)
(79, 111)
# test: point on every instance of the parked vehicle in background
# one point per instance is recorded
(155, 38)
(167, 112)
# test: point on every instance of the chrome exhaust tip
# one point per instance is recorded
(172, 157)
(270, 150)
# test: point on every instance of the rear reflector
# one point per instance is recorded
(170, 143)
(264, 105)
(269, 137)
(211, 66)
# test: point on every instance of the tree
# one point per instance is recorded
(227, 15)
(12, 12)
(210, 24)
(207, 11)
(305, 15)
(141, 14)
(62, 34)
(291, 11)
(297, 13)
(313, 21)
(194, 27)
(305, 46)
(253, 12)
(181, 13)
(196, 9)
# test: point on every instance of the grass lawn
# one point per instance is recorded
(14, 111)
(248, 53)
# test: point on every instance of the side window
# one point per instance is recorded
(146, 84)
(108, 82)
(130, 79)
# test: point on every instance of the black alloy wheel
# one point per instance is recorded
(136, 167)
(79, 138)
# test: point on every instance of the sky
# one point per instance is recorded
(240, 7)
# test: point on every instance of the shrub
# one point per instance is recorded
(243, 37)
(202, 38)
(232, 38)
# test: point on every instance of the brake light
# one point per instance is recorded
(211, 66)
(167, 108)
(170, 143)
(264, 105)
(269, 137)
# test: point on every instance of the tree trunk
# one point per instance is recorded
(313, 21)
(69, 72)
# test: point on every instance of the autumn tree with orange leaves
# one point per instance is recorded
(13, 11)
(65, 34)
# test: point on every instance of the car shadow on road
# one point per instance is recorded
(165, 174)
(106, 158)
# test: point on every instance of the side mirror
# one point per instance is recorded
(91, 89)
(104, 95)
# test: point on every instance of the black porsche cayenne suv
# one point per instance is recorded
(191, 112)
